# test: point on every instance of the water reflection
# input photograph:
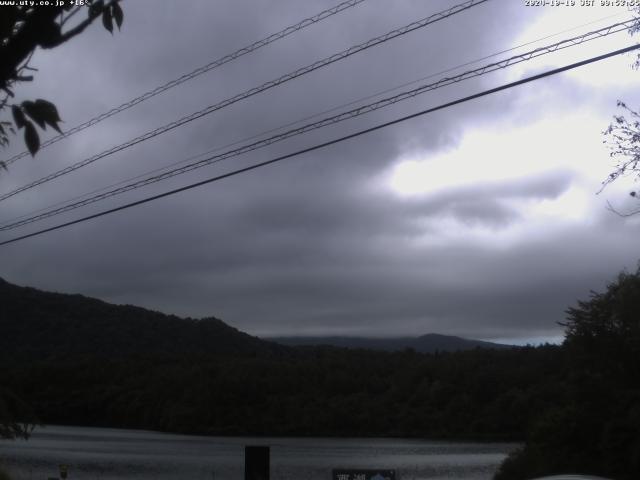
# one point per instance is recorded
(106, 454)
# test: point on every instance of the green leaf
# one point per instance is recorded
(107, 20)
(49, 113)
(34, 112)
(18, 116)
(43, 113)
(118, 15)
(49, 108)
(31, 138)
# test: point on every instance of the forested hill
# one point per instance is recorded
(71, 360)
(429, 343)
(38, 325)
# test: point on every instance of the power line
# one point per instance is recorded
(198, 71)
(253, 91)
(331, 142)
(300, 120)
(310, 117)
(385, 102)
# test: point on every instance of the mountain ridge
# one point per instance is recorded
(428, 343)
(40, 324)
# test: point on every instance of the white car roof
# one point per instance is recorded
(571, 477)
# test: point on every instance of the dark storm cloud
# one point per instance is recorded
(316, 244)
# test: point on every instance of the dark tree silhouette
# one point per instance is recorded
(613, 315)
(16, 417)
(23, 29)
(596, 430)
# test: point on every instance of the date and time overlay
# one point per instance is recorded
(582, 3)
(526, 3)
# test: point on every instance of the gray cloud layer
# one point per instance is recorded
(309, 246)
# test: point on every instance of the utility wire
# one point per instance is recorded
(253, 91)
(443, 106)
(310, 117)
(385, 102)
(198, 71)
(300, 120)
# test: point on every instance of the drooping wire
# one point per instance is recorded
(326, 144)
(195, 73)
(307, 118)
(253, 91)
(383, 103)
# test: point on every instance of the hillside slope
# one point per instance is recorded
(37, 325)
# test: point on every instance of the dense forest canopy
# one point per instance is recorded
(596, 429)
(576, 406)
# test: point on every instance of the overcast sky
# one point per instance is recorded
(480, 220)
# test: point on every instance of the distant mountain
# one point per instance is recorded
(429, 343)
(73, 360)
(39, 325)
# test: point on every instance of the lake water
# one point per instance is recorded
(106, 454)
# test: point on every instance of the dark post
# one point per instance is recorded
(256, 463)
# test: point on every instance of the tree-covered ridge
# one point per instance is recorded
(82, 361)
(319, 392)
(44, 325)
(576, 406)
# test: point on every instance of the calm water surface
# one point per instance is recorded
(106, 454)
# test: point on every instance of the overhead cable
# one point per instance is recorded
(300, 120)
(253, 91)
(193, 74)
(385, 102)
(443, 106)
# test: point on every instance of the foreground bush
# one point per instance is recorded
(597, 429)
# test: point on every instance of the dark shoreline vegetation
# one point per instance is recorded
(68, 359)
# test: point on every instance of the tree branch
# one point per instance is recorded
(620, 214)
(81, 26)
(28, 38)
(68, 17)
(19, 47)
